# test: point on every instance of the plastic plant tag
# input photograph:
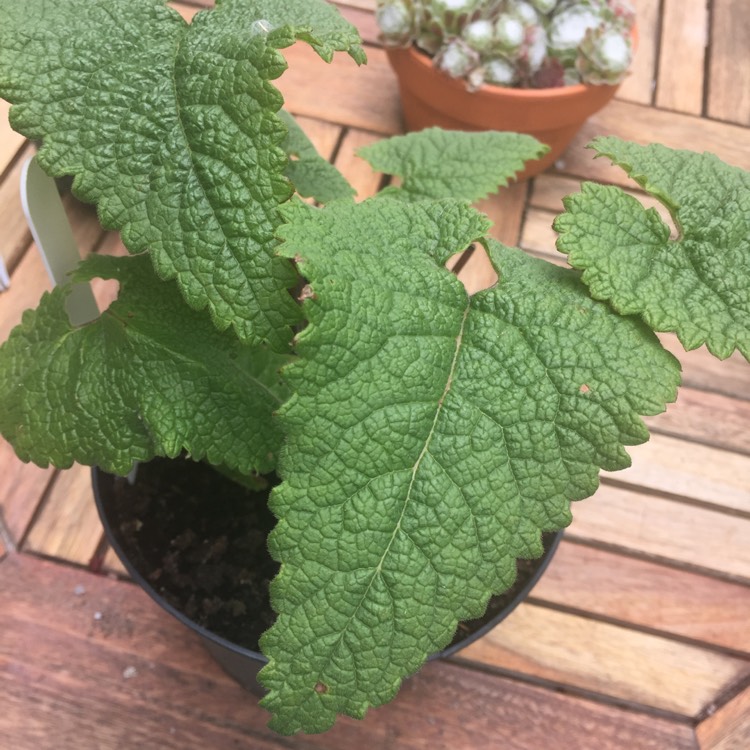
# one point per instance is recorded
(51, 231)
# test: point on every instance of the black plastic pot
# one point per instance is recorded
(243, 664)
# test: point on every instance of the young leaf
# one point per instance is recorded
(697, 285)
(149, 377)
(436, 163)
(172, 129)
(310, 173)
(431, 438)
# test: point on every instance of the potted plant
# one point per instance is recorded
(425, 439)
(541, 67)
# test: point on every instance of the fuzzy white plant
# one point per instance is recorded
(521, 43)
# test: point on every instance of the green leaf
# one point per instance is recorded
(172, 129)
(310, 173)
(432, 436)
(437, 163)
(315, 21)
(697, 285)
(149, 377)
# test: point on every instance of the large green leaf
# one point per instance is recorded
(437, 163)
(172, 129)
(432, 436)
(697, 285)
(149, 377)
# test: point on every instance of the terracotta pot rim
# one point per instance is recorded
(559, 93)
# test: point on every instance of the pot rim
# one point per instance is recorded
(421, 59)
(96, 480)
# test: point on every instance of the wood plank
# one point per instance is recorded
(646, 594)
(641, 124)
(10, 141)
(15, 233)
(63, 687)
(729, 727)
(21, 489)
(506, 209)
(478, 272)
(641, 668)
(729, 62)
(324, 135)
(639, 85)
(690, 470)
(701, 369)
(361, 97)
(364, 21)
(111, 563)
(709, 418)
(666, 530)
(684, 37)
(359, 173)
(68, 526)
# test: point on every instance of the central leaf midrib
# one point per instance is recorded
(415, 470)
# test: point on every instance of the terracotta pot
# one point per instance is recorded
(553, 116)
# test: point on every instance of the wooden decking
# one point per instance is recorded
(637, 637)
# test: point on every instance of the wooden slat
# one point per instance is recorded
(690, 470)
(63, 687)
(729, 68)
(702, 370)
(649, 125)
(684, 36)
(647, 594)
(362, 97)
(729, 727)
(505, 209)
(478, 272)
(359, 173)
(709, 418)
(639, 85)
(10, 141)
(21, 488)
(364, 21)
(665, 529)
(15, 232)
(68, 527)
(639, 667)
(111, 563)
(324, 135)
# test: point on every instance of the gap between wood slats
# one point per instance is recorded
(728, 727)
(662, 598)
(609, 660)
(728, 95)
(684, 37)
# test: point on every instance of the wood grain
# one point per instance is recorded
(16, 234)
(360, 174)
(64, 689)
(641, 124)
(639, 85)
(729, 727)
(666, 530)
(615, 661)
(648, 595)
(10, 141)
(729, 62)
(68, 526)
(684, 37)
(506, 210)
(323, 135)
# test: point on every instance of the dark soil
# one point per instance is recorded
(199, 540)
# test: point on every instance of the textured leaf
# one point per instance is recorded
(171, 129)
(310, 173)
(149, 377)
(431, 438)
(437, 163)
(697, 285)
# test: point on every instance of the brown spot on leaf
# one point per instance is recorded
(307, 293)
(584, 388)
(321, 689)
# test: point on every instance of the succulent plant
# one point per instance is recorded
(519, 43)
